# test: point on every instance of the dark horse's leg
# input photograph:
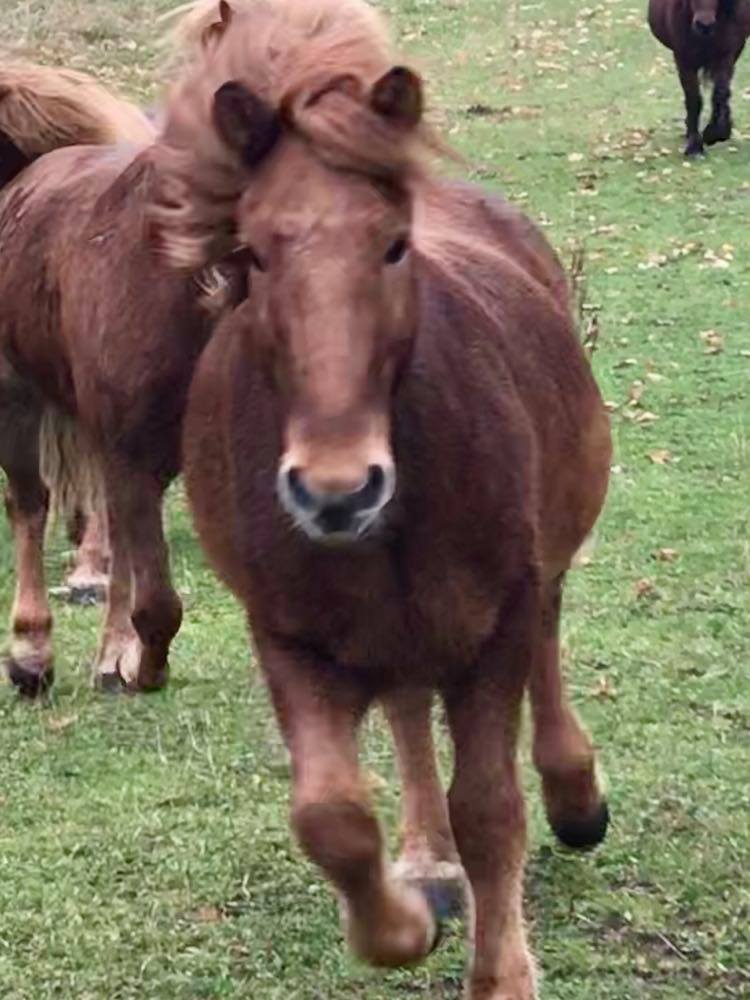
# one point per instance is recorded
(486, 803)
(143, 612)
(319, 708)
(719, 127)
(693, 107)
(26, 501)
(563, 753)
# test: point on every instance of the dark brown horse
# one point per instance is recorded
(393, 450)
(705, 36)
(103, 342)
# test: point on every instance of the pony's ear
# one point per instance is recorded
(398, 95)
(245, 122)
(215, 31)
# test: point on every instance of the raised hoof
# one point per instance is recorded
(717, 132)
(445, 897)
(694, 146)
(582, 835)
(31, 679)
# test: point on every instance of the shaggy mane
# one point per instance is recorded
(43, 108)
(315, 62)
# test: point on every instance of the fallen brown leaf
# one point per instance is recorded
(644, 588)
(713, 341)
(667, 555)
(63, 722)
(660, 456)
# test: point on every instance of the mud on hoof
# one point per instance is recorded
(583, 834)
(31, 678)
(113, 682)
(442, 883)
(81, 594)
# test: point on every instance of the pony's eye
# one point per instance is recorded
(397, 250)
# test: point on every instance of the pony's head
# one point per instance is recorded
(706, 14)
(313, 142)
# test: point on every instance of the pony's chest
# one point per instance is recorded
(425, 619)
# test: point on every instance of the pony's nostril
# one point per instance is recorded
(370, 494)
(298, 491)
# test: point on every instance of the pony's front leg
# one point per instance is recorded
(563, 752)
(428, 856)
(319, 707)
(719, 128)
(138, 630)
(693, 107)
(486, 804)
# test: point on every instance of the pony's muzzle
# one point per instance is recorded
(335, 513)
(704, 26)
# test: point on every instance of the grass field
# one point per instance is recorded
(144, 848)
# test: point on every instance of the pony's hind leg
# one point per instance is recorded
(719, 127)
(88, 579)
(428, 857)
(144, 612)
(26, 500)
(319, 709)
(693, 106)
(562, 750)
(486, 804)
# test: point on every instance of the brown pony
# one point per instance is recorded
(705, 36)
(101, 343)
(393, 450)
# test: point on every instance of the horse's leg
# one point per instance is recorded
(428, 855)
(139, 551)
(719, 127)
(319, 709)
(693, 107)
(26, 501)
(563, 752)
(87, 580)
(486, 805)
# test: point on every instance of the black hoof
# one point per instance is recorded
(581, 835)
(87, 596)
(719, 132)
(31, 679)
(445, 897)
(110, 683)
(694, 146)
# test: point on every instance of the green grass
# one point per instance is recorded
(144, 849)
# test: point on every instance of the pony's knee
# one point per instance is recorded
(341, 836)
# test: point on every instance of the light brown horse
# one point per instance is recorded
(103, 341)
(393, 450)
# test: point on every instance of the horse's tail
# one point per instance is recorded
(43, 108)
(69, 466)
